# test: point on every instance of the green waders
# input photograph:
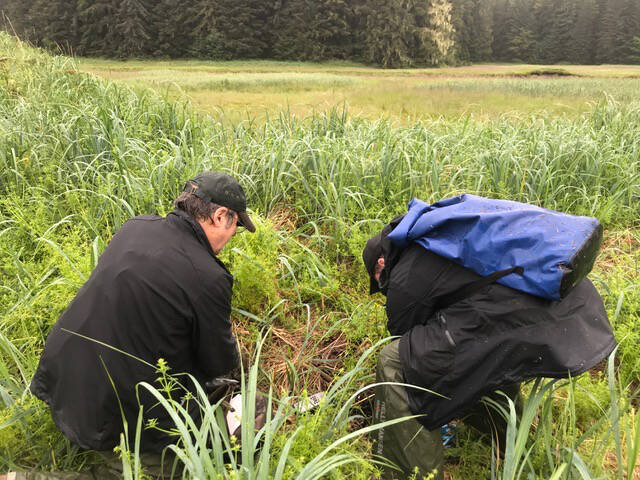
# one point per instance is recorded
(408, 444)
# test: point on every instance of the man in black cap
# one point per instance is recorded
(464, 337)
(158, 292)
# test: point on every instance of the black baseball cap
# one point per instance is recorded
(371, 253)
(223, 190)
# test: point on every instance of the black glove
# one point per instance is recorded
(219, 387)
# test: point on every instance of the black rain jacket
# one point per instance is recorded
(494, 338)
(158, 291)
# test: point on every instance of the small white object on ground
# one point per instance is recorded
(234, 414)
(310, 402)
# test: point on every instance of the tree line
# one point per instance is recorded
(388, 33)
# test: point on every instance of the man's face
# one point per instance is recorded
(378, 269)
(229, 230)
(219, 228)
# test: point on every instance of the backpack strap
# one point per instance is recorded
(469, 289)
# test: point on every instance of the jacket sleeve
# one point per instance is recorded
(406, 312)
(416, 283)
(412, 284)
(215, 346)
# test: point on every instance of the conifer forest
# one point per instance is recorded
(387, 33)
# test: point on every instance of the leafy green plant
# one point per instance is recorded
(208, 451)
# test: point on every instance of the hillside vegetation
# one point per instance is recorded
(80, 155)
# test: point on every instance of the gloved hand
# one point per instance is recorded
(219, 387)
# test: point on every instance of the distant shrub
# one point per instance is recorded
(550, 72)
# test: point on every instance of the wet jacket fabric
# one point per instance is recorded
(496, 337)
(158, 291)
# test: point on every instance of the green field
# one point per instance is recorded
(240, 90)
(327, 154)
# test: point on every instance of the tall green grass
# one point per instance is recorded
(79, 156)
(130, 152)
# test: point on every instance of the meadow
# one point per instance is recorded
(257, 90)
(327, 155)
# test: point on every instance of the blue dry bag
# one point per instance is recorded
(555, 250)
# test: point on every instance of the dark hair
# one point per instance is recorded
(198, 208)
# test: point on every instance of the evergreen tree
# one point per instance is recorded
(422, 47)
(522, 43)
(582, 44)
(358, 26)
(462, 20)
(54, 24)
(134, 28)
(554, 47)
(635, 50)
(290, 41)
(177, 25)
(540, 23)
(327, 33)
(390, 33)
(244, 26)
(206, 40)
(481, 31)
(510, 38)
(97, 26)
(461, 13)
(631, 28)
(611, 37)
(330, 31)
(498, 45)
(13, 14)
(388, 29)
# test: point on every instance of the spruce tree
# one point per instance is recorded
(331, 34)
(541, 13)
(290, 41)
(176, 23)
(98, 35)
(635, 51)
(206, 41)
(244, 26)
(54, 24)
(388, 29)
(631, 29)
(611, 36)
(561, 21)
(134, 26)
(422, 46)
(462, 19)
(582, 45)
(358, 26)
(481, 31)
(522, 41)
(503, 28)
(13, 15)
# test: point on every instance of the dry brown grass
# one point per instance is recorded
(610, 464)
(620, 248)
(298, 359)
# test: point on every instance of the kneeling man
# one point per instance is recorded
(464, 347)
